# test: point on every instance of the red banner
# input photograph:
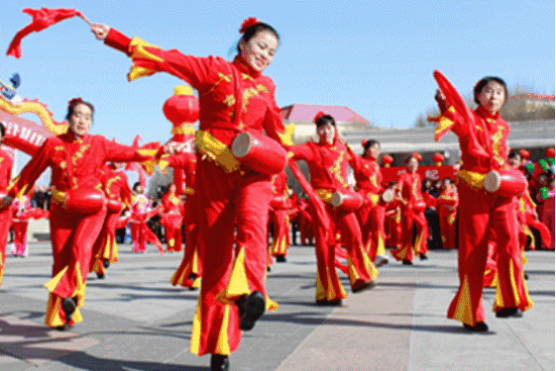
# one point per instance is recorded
(22, 134)
(392, 174)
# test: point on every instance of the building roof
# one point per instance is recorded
(306, 113)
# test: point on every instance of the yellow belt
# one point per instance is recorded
(324, 194)
(210, 147)
(472, 178)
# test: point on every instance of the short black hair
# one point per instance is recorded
(514, 154)
(484, 81)
(74, 103)
(325, 119)
(369, 143)
(137, 184)
(2, 129)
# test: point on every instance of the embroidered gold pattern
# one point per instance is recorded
(221, 77)
(212, 148)
(230, 100)
(109, 185)
(336, 169)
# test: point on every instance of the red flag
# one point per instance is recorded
(42, 18)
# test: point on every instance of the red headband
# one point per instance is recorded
(249, 22)
(74, 101)
(318, 116)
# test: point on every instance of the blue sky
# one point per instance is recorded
(376, 57)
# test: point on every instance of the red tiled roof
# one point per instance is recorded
(306, 112)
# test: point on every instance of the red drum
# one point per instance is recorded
(259, 153)
(388, 196)
(347, 201)
(84, 201)
(113, 205)
(505, 182)
(278, 202)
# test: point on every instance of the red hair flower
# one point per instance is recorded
(363, 142)
(74, 101)
(318, 116)
(249, 22)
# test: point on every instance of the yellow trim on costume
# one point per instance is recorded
(237, 283)
(217, 151)
(464, 309)
(353, 275)
(444, 123)
(375, 199)
(139, 52)
(286, 138)
(196, 330)
(271, 305)
(51, 285)
(380, 249)
(185, 128)
(324, 194)
(223, 346)
(472, 178)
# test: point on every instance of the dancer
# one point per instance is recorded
(447, 207)
(78, 208)
(118, 194)
(6, 164)
(141, 212)
(233, 97)
(172, 218)
(371, 215)
(278, 211)
(413, 213)
(328, 166)
(483, 216)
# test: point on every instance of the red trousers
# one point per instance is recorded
(448, 230)
(280, 241)
(5, 223)
(394, 227)
(172, 229)
(20, 236)
(361, 269)
(306, 228)
(371, 218)
(72, 238)
(409, 220)
(483, 216)
(105, 247)
(228, 273)
(191, 262)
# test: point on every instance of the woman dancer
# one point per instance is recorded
(233, 97)
(78, 207)
(483, 216)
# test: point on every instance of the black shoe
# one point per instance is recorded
(192, 276)
(106, 263)
(69, 305)
(509, 313)
(331, 303)
(423, 256)
(255, 305)
(479, 327)
(525, 276)
(407, 262)
(268, 269)
(100, 276)
(218, 362)
(280, 259)
(64, 327)
(367, 286)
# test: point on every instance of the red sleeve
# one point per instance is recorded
(148, 59)
(301, 152)
(273, 124)
(121, 153)
(354, 161)
(125, 191)
(34, 168)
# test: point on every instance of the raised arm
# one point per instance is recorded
(31, 172)
(148, 59)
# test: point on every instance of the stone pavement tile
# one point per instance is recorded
(369, 332)
(38, 344)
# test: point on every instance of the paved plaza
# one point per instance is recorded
(135, 320)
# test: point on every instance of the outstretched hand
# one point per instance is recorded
(100, 31)
(173, 148)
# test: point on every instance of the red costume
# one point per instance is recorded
(190, 270)
(20, 223)
(306, 230)
(447, 209)
(6, 164)
(233, 98)
(116, 189)
(371, 215)
(279, 216)
(328, 166)
(413, 214)
(393, 217)
(483, 216)
(171, 220)
(140, 232)
(76, 164)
